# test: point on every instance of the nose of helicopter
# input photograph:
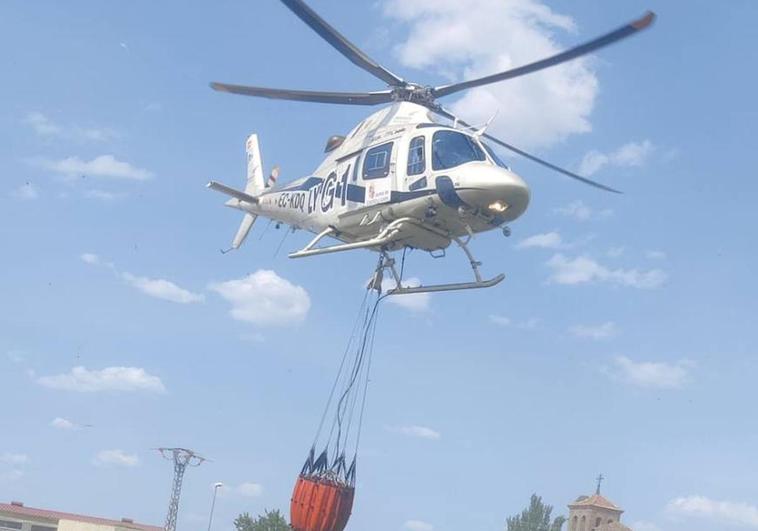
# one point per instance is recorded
(498, 191)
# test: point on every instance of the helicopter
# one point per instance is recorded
(401, 178)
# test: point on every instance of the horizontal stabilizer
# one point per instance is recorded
(233, 192)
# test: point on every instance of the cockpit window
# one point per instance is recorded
(451, 149)
(416, 160)
(376, 162)
(493, 156)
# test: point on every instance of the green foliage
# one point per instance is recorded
(268, 521)
(537, 517)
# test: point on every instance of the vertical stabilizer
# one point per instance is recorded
(255, 183)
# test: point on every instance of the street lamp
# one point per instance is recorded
(216, 486)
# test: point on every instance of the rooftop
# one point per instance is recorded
(596, 500)
(19, 510)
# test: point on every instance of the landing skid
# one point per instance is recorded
(393, 236)
(386, 262)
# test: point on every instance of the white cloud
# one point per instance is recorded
(116, 458)
(582, 270)
(42, 125)
(465, 40)
(247, 489)
(45, 127)
(501, 320)
(102, 195)
(579, 211)
(659, 375)
(547, 240)
(615, 252)
(419, 432)
(63, 424)
(25, 192)
(162, 289)
(720, 512)
(264, 298)
(14, 459)
(154, 287)
(418, 525)
(11, 475)
(10, 463)
(656, 255)
(16, 356)
(94, 134)
(254, 337)
(600, 331)
(632, 154)
(82, 380)
(106, 166)
(250, 490)
(91, 258)
(417, 302)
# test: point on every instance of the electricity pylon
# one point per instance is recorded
(182, 458)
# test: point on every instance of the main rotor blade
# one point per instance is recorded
(604, 40)
(345, 98)
(447, 114)
(552, 166)
(338, 41)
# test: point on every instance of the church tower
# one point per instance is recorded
(595, 513)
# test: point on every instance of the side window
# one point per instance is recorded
(356, 164)
(376, 161)
(416, 159)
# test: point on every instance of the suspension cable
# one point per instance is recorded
(365, 387)
(341, 367)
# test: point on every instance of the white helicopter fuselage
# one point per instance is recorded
(399, 179)
(398, 164)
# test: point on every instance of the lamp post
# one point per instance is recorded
(216, 486)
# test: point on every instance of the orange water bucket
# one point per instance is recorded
(320, 504)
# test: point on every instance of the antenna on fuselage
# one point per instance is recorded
(479, 132)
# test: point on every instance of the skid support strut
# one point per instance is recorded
(388, 263)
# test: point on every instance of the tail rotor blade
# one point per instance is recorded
(273, 177)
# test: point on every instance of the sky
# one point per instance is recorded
(622, 341)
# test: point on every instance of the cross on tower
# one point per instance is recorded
(600, 479)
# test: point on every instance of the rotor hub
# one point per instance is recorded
(412, 92)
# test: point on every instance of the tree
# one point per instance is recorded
(268, 521)
(537, 517)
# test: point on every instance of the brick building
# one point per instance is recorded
(595, 513)
(15, 516)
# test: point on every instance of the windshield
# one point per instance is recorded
(451, 149)
(494, 157)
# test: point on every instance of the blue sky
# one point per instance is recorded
(621, 342)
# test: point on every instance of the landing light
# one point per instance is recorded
(498, 207)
